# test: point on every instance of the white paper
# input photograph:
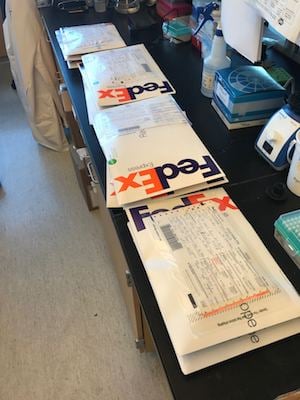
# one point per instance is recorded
(136, 213)
(125, 75)
(282, 15)
(111, 198)
(61, 44)
(242, 28)
(198, 312)
(112, 201)
(85, 39)
(129, 119)
(91, 106)
(72, 64)
(154, 151)
(224, 351)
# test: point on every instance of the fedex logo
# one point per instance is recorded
(140, 212)
(122, 95)
(157, 179)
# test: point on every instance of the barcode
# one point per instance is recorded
(128, 130)
(171, 237)
(146, 67)
(192, 300)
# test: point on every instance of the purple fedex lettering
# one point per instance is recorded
(166, 172)
(138, 214)
(134, 91)
(141, 212)
(151, 86)
(165, 87)
(171, 171)
(210, 165)
(188, 166)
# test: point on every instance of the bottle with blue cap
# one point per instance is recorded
(216, 60)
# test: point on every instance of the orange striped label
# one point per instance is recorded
(234, 304)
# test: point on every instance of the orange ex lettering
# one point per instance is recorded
(127, 182)
(153, 180)
(223, 202)
(121, 94)
(106, 93)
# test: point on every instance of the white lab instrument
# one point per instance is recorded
(293, 180)
(274, 140)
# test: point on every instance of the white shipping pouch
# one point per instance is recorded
(83, 39)
(125, 75)
(213, 278)
(151, 150)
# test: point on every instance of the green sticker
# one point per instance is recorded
(112, 161)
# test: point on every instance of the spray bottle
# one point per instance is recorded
(216, 60)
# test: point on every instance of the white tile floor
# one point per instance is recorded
(64, 332)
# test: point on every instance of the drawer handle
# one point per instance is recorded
(91, 172)
(129, 279)
(140, 344)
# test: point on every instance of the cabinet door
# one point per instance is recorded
(81, 159)
(74, 136)
(139, 324)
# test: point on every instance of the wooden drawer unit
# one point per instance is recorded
(139, 323)
(141, 331)
(143, 339)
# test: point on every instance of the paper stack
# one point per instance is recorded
(152, 150)
(219, 291)
(75, 41)
(124, 75)
(121, 76)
